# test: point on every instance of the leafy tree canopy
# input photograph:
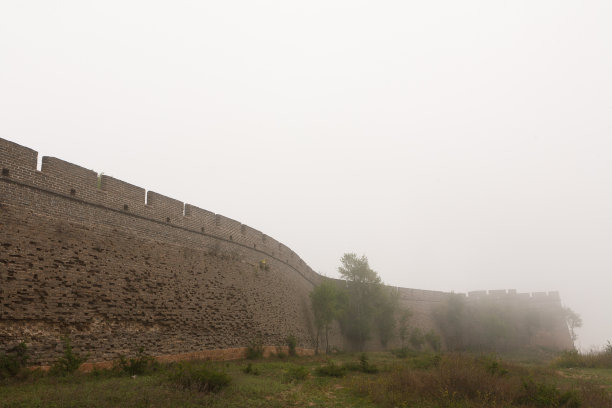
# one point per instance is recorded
(357, 269)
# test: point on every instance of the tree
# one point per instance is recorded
(357, 270)
(573, 321)
(324, 299)
(363, 292)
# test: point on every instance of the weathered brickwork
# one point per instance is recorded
(118, 269)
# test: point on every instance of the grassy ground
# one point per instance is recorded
(601, 376)
(416, 380)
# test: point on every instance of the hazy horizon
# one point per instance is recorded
(459, 146)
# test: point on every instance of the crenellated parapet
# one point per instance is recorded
(513, 295)
(19, 165)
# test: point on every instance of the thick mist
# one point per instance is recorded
(460, 146)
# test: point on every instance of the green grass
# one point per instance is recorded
(417, 380)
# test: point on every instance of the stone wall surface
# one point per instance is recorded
(119, 268)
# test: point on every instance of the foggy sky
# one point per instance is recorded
(459, 145)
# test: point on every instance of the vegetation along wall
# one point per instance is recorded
(118, 268)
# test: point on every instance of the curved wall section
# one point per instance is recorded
(88, 256)
(118, 268)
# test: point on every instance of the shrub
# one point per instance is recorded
(331, 370)
(201, 379)
(296, 373)
(292, 343)
(365, 365)
(69, 362)
(547, 395)
(352, 366)
(13, 361)
(139, 365)
(493, 365)
(250, 370)
(254, 350)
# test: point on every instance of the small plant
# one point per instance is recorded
(292, 344)
(69, 362)
(201, 379)
(263, 265)
(254, 350)
(365, 365)
(494, 367)
(13, 361)
(331, 370)
(250, 370)
(296, 373)
(139, 365)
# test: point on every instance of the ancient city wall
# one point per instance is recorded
(118, 268)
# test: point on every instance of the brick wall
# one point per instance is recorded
(117, 269)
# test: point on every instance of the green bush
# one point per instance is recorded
(331, 370)
(139, 365)
(365, 365)
(250, 370)
(352, 366)
(296, 373)
(13, 361)
(254, 351)
(69, 362)
(292, 344)
(543, 395)
(201, 379)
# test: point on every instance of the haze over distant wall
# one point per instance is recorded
(119, 268)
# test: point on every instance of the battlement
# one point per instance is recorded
(18, 164)
(511, 294)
